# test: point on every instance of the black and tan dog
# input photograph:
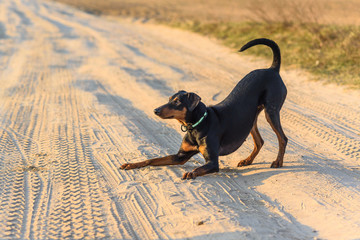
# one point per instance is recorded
(221, 129)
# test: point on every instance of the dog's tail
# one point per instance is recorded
(275, 48)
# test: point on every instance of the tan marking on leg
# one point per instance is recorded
(187, 147)
(202, 149)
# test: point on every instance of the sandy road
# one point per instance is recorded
(76, 101)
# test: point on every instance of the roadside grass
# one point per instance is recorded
(330, 52)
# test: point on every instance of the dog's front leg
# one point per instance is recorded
(210, 151)
(180, 158)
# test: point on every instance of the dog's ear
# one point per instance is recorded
(194, 100)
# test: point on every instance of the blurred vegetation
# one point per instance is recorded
(330, 51)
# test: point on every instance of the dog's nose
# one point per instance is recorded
(157, 111)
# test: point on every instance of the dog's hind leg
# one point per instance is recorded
(273, 117)
(258, 142)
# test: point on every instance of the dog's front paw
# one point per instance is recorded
(127, 166)
(189, 175)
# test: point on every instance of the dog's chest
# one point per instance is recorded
(227, 148)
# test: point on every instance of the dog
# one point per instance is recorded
(221, 129)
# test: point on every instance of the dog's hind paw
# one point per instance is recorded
(276, 164)
(244, 163)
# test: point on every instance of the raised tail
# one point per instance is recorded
(274, 47)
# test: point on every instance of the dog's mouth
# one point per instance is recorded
(168, 117)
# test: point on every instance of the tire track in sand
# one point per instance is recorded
(31, 206)
(343, 144)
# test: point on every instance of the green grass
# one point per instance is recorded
(331, 53)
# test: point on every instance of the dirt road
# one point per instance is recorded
(76, 101)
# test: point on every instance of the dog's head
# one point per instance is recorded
(179, 106)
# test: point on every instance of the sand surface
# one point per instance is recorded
(76, 102)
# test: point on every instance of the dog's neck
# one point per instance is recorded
(194, 116)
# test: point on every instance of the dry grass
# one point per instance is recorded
(321, 36)
(329, 52)
(325, 11)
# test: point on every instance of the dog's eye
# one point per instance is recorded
(176, 101)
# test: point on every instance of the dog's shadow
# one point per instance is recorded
(257, 172)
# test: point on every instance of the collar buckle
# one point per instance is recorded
(184, 128)
(192, 126)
